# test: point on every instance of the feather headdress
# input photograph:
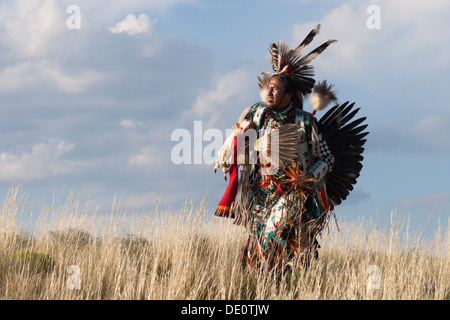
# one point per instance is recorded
(322, 96)
(297, 68)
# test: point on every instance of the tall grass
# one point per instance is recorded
(77, 253)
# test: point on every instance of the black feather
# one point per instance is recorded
(344, 135)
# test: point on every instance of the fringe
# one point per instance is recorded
(241, 205)
(224, 212)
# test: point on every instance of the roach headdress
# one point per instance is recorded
(297, 69)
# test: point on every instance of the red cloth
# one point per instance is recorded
(224, 207)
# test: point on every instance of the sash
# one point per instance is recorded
(224, 207)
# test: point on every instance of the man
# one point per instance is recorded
(286, 211)
(282, 208)
(278, 96)
(281, 198)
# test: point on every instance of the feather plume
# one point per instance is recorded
(309, 38)
(313, 54)
(322, 96)
(275, 56)
(263, 87)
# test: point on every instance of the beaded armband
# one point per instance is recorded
(318, 170)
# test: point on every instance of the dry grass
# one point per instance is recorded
(182, 255)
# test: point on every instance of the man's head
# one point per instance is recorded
(279, 92)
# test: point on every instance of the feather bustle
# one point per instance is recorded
(322, 96)
(344, 136)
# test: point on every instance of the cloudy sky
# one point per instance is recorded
(91, 103)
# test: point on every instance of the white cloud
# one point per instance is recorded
(131, 124)
(17, 8)
(431, 202)
(35, 33)
(411, 34)
(345, 24)
(147, 158)
(432, 133)
(45, 159)
(104, 10)
(134, 25)
(431, 123)
(71, 83)
(16, 76)
(30, 74)
(213, 103)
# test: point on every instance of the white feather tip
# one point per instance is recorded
(263, 87)
(322, 96)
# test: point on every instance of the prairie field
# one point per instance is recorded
(71, 251)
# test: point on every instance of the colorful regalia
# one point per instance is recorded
(288, 170)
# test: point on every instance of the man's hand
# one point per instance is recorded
(224, 167)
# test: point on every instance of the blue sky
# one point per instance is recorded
(92, 110)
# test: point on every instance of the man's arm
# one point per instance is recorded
(224, 154)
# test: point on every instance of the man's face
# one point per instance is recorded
(276, 98)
